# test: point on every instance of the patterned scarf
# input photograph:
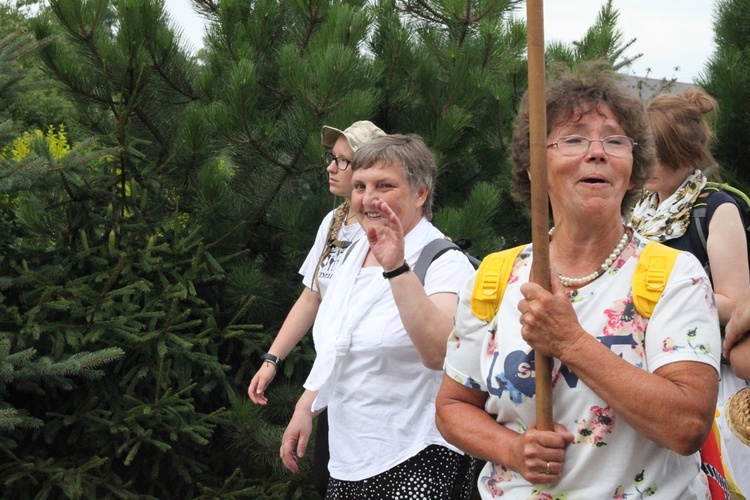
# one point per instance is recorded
(670, 219)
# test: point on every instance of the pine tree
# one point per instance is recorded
(275, 73)
(433, 68)
(177, 238)
(454, 76)
(727, 78)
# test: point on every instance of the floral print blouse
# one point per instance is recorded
(608, 458)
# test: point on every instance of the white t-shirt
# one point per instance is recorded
(347, 234)
(381, 409)
(608, 458)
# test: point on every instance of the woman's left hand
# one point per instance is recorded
(387, 238)
(541, 454)
(548, 322)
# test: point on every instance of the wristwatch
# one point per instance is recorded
(275, 360)
(398, 271)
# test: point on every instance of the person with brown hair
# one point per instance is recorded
(632, 396)
(685, 164)
(380, 339)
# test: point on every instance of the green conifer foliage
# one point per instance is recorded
(37, 361)
(175, 236)
(109, 258)
(727, 78)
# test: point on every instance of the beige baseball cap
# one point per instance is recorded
(356, 134)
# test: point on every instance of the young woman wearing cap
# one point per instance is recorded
(337, 231)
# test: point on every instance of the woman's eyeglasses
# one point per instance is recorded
(341, 163)
(575, 145)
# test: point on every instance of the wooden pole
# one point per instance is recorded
(539, 197)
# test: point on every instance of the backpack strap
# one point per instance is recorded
(490, 282)
(698, 228)
(432, 251)
(651, 275)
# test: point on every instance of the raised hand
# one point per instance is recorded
(386, 238)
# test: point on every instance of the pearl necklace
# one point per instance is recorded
(602, 269)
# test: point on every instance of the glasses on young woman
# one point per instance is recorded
(575, 145)
(341, 163)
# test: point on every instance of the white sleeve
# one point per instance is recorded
(466, 342)
(685, 324)
(447, 273)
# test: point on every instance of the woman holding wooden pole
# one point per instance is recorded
(539, 200)
(633, 398)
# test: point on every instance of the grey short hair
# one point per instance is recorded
(408, 152)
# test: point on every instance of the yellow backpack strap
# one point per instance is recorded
(489, 284)
(651, 275)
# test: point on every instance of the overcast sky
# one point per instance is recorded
(669, 33)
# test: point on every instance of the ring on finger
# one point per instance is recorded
(547, 471)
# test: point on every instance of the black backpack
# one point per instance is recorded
(435, 249)
(698, 227)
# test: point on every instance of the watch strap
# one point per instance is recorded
(397, 272)
(277, 361)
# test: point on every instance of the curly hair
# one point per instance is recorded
(571, 97)
(681, 135)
